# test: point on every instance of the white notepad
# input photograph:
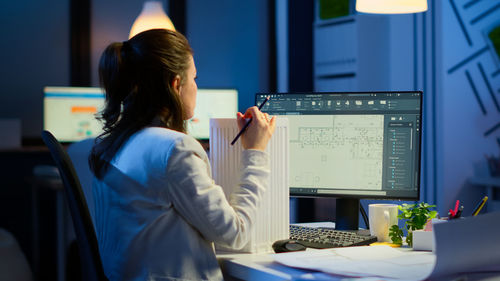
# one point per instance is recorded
(273, 215)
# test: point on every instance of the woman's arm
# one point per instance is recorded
(203, 204)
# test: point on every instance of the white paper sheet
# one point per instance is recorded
(363, 262)
(462, 246)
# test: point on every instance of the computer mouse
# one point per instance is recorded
(287, 245)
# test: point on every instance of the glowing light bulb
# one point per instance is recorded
(152, 16)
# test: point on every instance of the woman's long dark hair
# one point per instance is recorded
(137, 76)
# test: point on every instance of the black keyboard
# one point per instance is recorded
(321, 238)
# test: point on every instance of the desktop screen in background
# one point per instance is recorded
(211, 103)
(69, 112)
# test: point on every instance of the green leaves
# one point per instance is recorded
(396, 235)
(415, 217)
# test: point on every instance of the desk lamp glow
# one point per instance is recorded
(391, 6)
(152, 16)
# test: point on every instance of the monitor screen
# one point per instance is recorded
(211, 103)
(352, 145)
(69, 113)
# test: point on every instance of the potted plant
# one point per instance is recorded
(415, 217)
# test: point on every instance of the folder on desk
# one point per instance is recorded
(272, 221)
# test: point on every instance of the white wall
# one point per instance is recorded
(34, 53)
(111, 21)
(401, 50)
(229, 40)
(462, 121)
(230, 45)
(404, 52)
(454, 141)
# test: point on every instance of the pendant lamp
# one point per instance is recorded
(152, 16)
(391, 6)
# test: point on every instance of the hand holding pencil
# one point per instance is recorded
(255, 128)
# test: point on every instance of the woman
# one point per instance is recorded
(157, 209)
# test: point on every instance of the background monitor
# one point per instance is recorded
(211, 103)
(69, 113)
(352, 145)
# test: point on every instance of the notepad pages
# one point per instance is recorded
(272, 221)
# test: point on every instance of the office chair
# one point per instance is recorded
(79, 153)
(87, 241)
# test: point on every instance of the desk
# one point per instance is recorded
(468, 248)
(21, 210)
(262, 267)
(52, 184)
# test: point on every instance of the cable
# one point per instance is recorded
(365, 217)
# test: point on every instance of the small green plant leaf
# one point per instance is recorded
(415, 217)
(433, 214)
(396, 234)
(409, 239)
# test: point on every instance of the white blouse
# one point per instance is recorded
(158, 211)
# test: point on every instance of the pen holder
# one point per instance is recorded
(424, 240)
(273, 213)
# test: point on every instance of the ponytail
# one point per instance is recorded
(136, 76)
(113, 77)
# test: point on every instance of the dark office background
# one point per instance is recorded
(266, 45)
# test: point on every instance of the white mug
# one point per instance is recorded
(382, 217)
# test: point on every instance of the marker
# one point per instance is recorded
(480, 206)
(453, 212)
(456, 207)
(248, 122)
(459, 212)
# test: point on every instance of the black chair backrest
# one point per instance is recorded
(86, 238)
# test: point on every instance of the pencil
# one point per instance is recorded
(479, 206)
(248, 122)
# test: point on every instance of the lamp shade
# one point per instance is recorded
(391, 6)
(152, 16)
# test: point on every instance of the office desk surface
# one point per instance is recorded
(262, 267)
(237, 266)
(475, 259)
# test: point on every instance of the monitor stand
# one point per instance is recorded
(347, 214)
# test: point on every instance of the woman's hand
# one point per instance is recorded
(258, 133)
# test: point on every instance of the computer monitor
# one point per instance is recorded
(211, 103)
(352, 146)
(69, 113)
